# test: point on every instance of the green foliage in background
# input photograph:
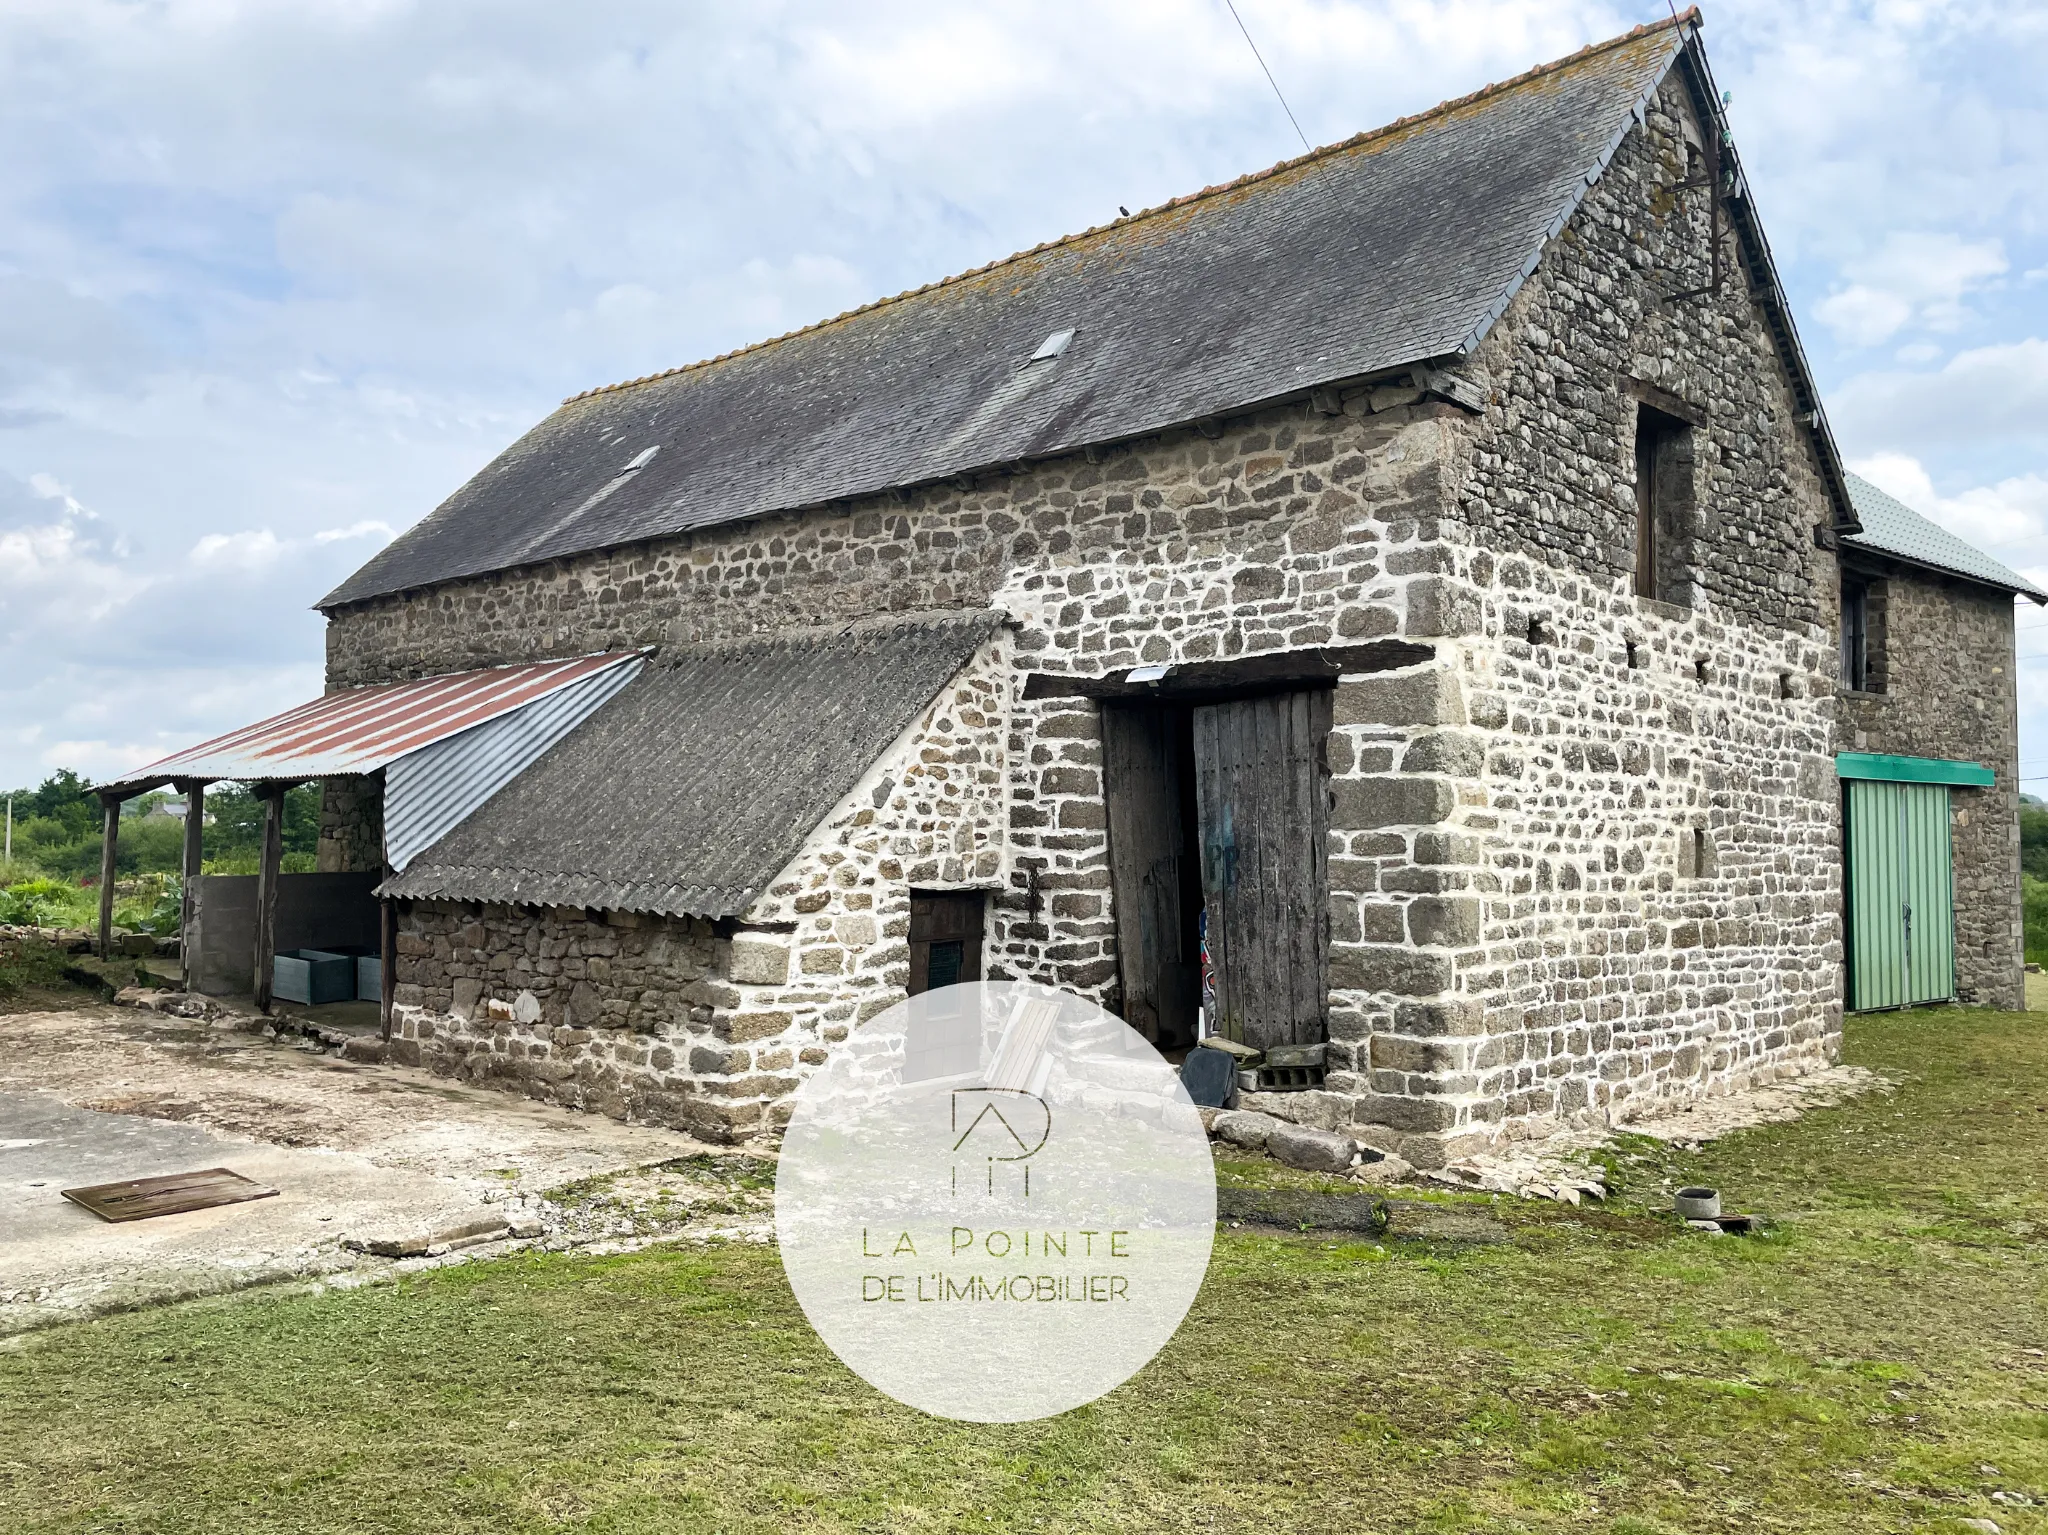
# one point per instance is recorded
(234, 832)
(2034, 840)
(57, 832)
(2034, 879)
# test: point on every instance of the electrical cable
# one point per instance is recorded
(1232, 4)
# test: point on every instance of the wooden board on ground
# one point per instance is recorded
(139, 1198)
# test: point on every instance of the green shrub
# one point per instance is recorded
(156, 908)
(41, 902)
(2034, 841)
(2034, 904)
(30, 963)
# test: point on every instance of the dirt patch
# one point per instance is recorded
(365, 1156)
(731, 1197)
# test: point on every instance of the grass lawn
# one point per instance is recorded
(1878, 1363)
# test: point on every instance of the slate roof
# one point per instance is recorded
(1396, 247)
(1891, 527)
(699, 781)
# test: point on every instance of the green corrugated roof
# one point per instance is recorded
(1892, 527)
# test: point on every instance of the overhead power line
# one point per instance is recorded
(1247, 31)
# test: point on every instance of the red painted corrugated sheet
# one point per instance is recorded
(359, 730)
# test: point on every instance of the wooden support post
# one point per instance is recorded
(109, 840)
(266, 890)
(194, 791)
(388, 968)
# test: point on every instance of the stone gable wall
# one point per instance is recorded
(1526, 926)
(1949, 691)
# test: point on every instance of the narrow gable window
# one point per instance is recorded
(1663, 464)
(1855, 634)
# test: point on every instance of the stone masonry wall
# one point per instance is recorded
(598, 1012)
(351, 824)
(1949, 691)
(1290, 528)
(1590, 857)
(705, 1026)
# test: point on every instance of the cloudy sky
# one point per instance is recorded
(275, 278)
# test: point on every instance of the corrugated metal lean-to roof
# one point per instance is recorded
(429, 792)
(360, 730)
(699, 782)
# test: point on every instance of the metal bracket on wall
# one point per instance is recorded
(1718, 225)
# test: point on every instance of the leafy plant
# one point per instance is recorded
(36, 903)
(2034, 841)
(30, 964)
(2034, 907)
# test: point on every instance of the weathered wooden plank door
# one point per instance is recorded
(1144, 782)
(1901, 895)
(1261, 776)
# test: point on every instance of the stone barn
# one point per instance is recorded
(1387, 610)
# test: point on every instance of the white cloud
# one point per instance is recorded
(1915, 278)
(258, 549)
(274, 280)
(1982, 395)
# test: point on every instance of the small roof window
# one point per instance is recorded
(1053, 345)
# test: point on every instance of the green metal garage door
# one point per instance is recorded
(1901, 895)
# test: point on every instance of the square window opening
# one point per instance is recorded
(945, 938)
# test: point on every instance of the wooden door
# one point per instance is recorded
(1144, 748)
(945, 939)
(1261, 787)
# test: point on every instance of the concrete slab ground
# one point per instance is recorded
(99, 1094)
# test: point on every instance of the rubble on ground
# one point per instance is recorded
(1559, 1166)
(177, 1004)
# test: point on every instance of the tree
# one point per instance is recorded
(234, 831)
(2034, 841)
(65, 798)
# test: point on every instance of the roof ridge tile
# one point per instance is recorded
(1690, 16)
